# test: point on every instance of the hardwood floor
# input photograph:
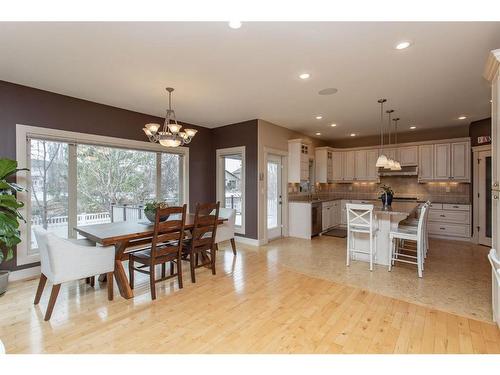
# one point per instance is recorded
(253, 305)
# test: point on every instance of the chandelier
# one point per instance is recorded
(171, 134)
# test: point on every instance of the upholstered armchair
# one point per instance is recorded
(62, 260)
(225, 231)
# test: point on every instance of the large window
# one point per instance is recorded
(231, 182)
(76, 182)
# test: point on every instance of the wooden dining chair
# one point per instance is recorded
(166, 247)
(202, 241)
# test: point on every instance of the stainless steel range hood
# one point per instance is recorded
(405, 171)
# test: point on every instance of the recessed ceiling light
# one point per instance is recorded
(304, 76)
(234, 24)
(462, 117)
(333, 125)
(318, 133)
(319, 117)
(403, 45)
(491, 101)
(353, 134)
(413, 127)
(328, 91)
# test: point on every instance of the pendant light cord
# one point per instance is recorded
(382, 101)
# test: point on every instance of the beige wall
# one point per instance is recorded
(274, 137)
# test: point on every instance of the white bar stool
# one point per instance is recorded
(409, 235)
(360, 220)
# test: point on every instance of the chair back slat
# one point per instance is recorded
(359, 215)
(168, 235)
(205, 226)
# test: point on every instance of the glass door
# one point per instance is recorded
(484, 224)
(274, 197)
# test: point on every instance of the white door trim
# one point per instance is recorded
(476, 193)
(284, 190)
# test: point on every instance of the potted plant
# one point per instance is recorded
(150, 210)
(386, 195)
(9, 216)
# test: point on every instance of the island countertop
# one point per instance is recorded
(397, 208)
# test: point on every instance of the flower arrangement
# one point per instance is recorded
(386, 194)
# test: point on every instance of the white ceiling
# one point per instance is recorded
(224, 76)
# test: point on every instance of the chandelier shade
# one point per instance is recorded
(170, 135)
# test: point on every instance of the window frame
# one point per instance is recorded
(220, 154)
(25, 132)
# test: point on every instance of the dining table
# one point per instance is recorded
(126, 237)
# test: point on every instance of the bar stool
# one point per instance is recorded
(411, 224)
(360, 220)
(417, 236)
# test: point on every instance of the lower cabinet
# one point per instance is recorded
(330, 214)
(450, 220)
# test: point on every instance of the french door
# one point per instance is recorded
(274, 197)
(483, 199)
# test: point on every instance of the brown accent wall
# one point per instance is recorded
(243, 134)
(29, 106)
(478, 129)
(412, 136)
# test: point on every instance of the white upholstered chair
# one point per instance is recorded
(62, 260)
(360, 220)
(225, 231)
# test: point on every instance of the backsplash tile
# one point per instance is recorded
(402, 186)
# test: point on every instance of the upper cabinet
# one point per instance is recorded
(360, 165)
(299, 154)
(323, 158)
(447, 161)
(349, 165)
(338, 166)
(408, 156)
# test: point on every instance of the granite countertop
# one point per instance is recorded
(397, 208)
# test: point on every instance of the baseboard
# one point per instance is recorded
(463, 239)
(248, 241)
(27, 273)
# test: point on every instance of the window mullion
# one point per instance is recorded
(158, 176)
(72, 190)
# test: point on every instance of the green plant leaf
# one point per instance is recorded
(4, 185)
(10, 201)
(7, 167)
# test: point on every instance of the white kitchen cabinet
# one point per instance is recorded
(408, 156)
(323, 158)
(441, 161)
(349, 165)
(371, 169)
(426, 162)
(450, 220)
(335, 214)
(299, 154)
(337, 166)
(460, 161)
(326, 215)
(392, 153)
(360, 165)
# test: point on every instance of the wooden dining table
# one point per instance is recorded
(125, 235)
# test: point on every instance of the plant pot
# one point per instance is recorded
(386, 199)
(151, 216)
(4, 281)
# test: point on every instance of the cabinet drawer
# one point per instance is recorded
(461, 217)
(445, 229)
(457, 207)
(437, 206)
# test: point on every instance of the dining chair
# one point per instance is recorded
(360, 220)
(166, 247)
(412, 224)
(62, 261)
(202, 241)
(225, 231)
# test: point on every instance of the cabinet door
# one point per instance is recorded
(325, 217)
(392, 153)
(442, 161)
(321, 166)
(371, 169)
(360, 165)
(460, 161)
(349, 171)
(426, 162)
(338, 166)
(329, 166)
(408, 155)
(335, 214)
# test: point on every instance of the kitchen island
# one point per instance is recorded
(386, 219)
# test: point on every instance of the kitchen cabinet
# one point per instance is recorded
(371, 169)
(426, 163)
(337, 166)
(408, 156)
(442, 161)
(323, 158)
(360, 165)
(392, 153)
(450, 220)
(299, 154)
(330, 214)
(349, 166)
(460, 161)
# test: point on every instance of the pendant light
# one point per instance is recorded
(390, 163)
(382, 159)
(397, 164)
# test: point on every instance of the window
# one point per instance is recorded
(231, 182)
(92, 180)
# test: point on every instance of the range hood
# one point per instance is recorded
(405, 171)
